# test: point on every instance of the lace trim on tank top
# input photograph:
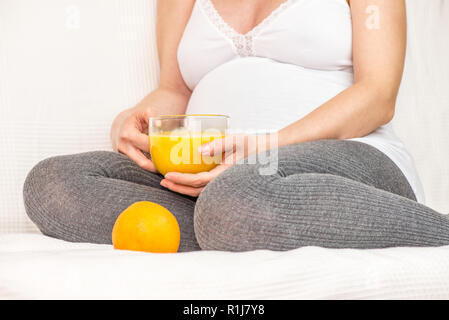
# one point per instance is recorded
(243, 43)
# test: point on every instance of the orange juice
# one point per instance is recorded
(178, 151)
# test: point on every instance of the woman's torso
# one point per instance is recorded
(296, 59)
(315, 34)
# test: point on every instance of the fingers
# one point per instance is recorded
(218, 146)
(141, 141)
(131, 142)
(131, 134)
(138, 157)
(187, 190)
(195, 180)
(191, 183)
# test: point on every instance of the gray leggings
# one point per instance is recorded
(328, 193)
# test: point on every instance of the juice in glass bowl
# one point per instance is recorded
(175, 139)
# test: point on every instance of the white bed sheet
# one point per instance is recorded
(35, 266)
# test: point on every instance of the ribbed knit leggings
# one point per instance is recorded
(328, 193)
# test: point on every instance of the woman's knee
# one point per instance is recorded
(48, 190)
(39, 191)
(223, 214)
(242, 210)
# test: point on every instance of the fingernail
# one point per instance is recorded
(163, 183)
(204, 149)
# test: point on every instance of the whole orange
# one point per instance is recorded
(146, 226)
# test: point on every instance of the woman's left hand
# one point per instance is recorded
(191, 184)
(233, 148)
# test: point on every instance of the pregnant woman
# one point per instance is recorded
(322, 75)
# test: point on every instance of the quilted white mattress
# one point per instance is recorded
(35, 266)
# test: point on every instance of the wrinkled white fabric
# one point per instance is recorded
(37, 267)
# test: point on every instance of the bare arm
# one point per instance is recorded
(378, 52)
(172, 18)
(129, 129)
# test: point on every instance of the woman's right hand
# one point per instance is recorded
(129, 135)
(129, 131)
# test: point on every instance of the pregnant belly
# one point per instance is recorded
(264, 95)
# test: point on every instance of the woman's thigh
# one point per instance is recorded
(349, 159)
(78, 197)
(330, 193)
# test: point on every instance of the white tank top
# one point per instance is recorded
(295, 60)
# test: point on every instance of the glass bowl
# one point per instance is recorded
(175, 139)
